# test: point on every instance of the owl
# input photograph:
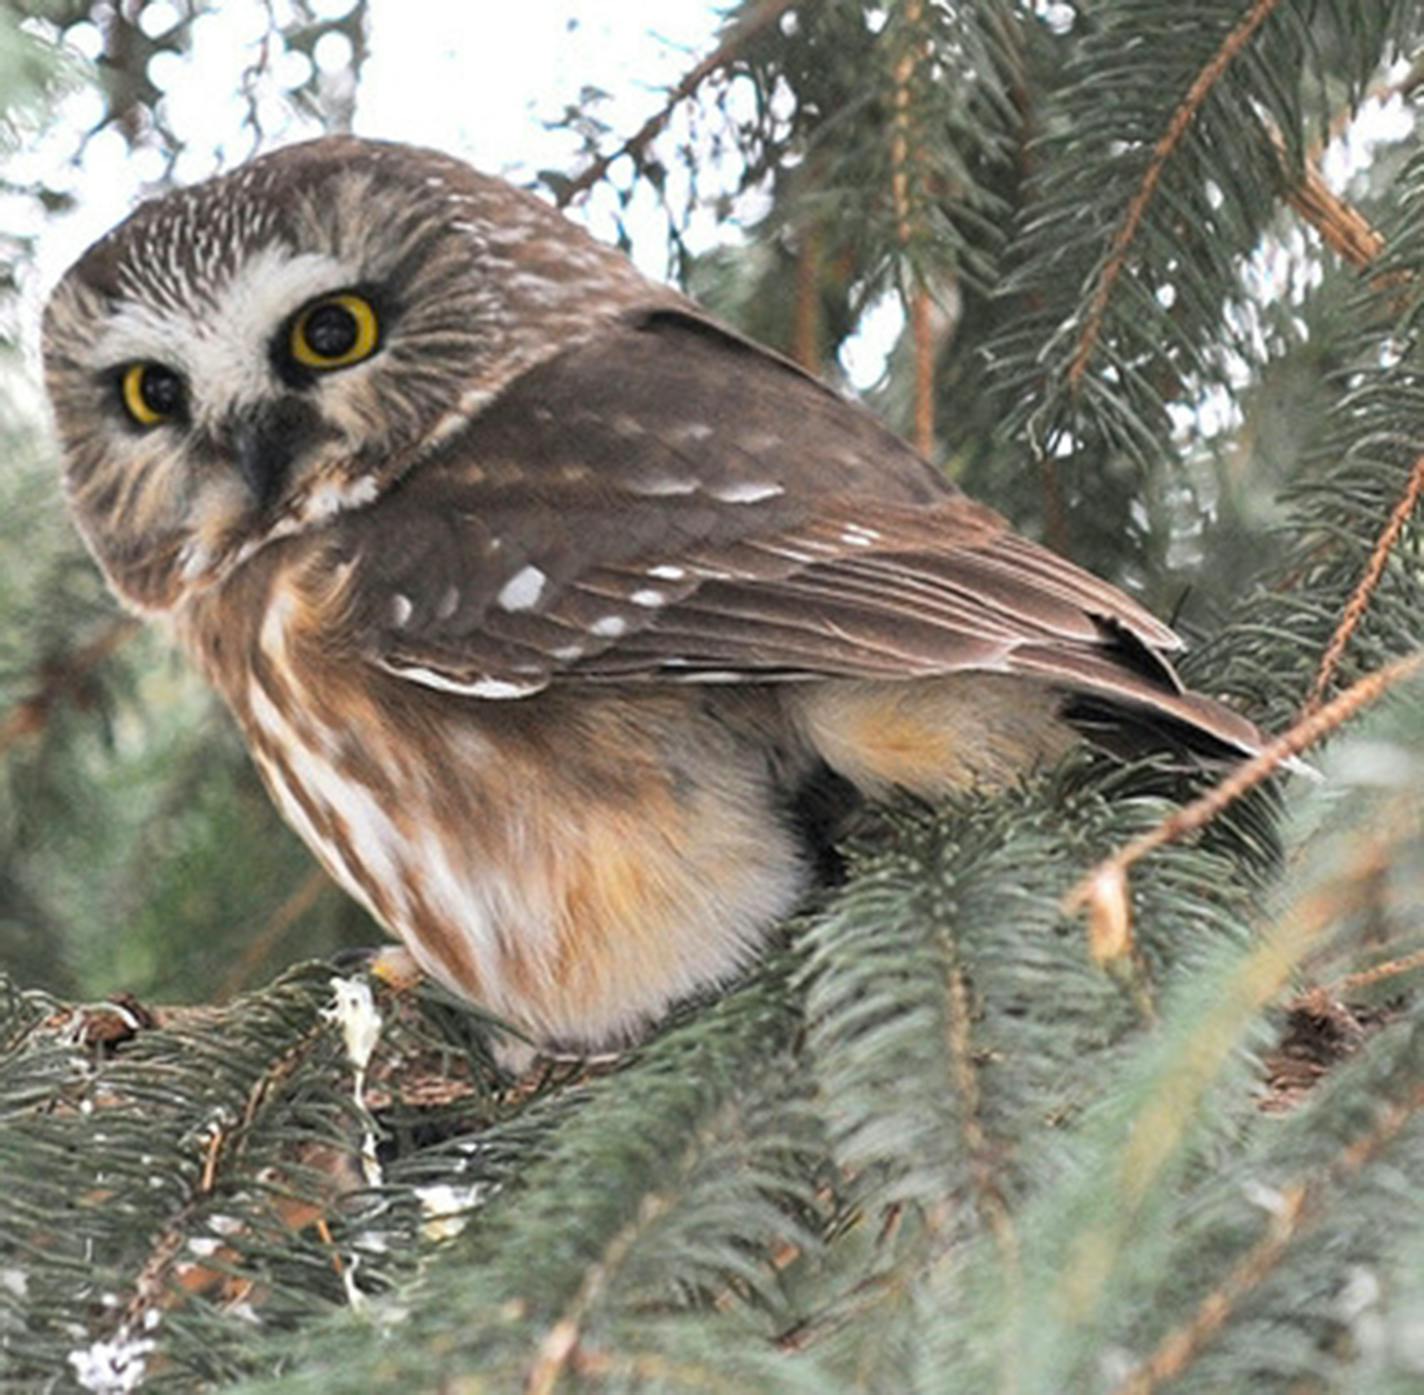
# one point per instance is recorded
(561, 621)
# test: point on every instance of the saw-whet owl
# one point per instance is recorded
(556, 615)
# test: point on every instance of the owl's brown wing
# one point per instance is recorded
(670, 502)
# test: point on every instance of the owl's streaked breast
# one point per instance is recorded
(547, 864)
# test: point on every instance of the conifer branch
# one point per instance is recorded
(1298, 1207)
(561, 1341)
(1359, 602)
(1154, 1135)
(223, 1147)
(1175, 1352)
(992, 1205)
(924, 371)
(721, 57)
(1102, 892)
(1343, 228)
(991, 1201)
(1165, 148)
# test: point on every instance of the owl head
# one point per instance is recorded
(245, 359)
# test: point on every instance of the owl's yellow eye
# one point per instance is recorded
(151, 393)
(335, 332)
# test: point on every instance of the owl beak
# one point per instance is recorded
(265, 442)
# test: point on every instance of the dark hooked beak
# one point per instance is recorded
(266, 441)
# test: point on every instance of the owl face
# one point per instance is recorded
(248, 358)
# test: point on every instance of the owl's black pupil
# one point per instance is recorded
(161, 390)
(331, 331)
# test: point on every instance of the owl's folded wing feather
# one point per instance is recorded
(708, 513)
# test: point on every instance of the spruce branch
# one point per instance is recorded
(1175, 1351)
(1102, 893)
(922, 329)
(1359, 601)
(1203, 1033)
(1166, 147)
(1298, 1206)
(988, 1191)
(1378, 973)
(726, 53)
(153, 1286)
(561, 1342)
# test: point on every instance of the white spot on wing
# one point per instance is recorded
(449, 603)
(609, 626)
(666, 572)
(759, 443)
(691, 431)
(745, 493)
(857, 536)
(660, 485)
(649, 597)
(401, 610)
(713, 675)
(496, 689)
(522, 590)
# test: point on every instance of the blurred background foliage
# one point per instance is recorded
(1144, 276)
